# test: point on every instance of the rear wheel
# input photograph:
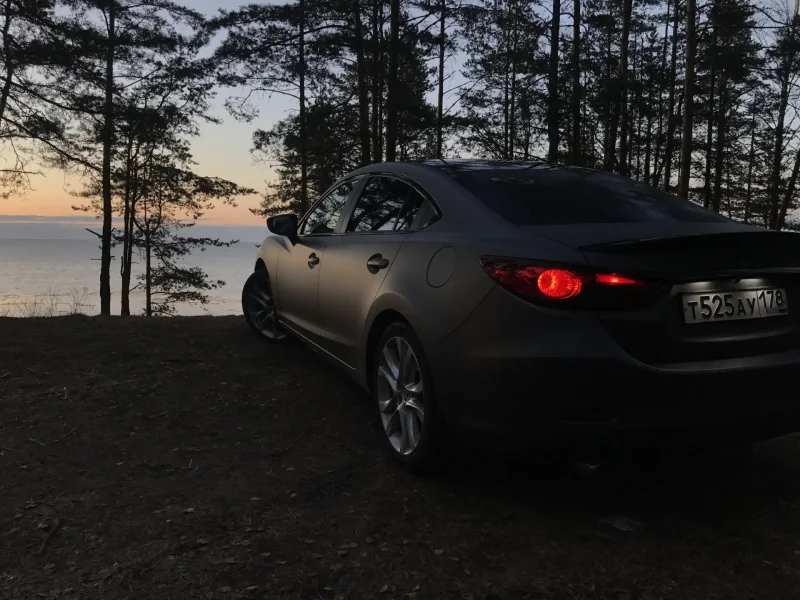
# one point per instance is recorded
(258, 305)
(403, 391)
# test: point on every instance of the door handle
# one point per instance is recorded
(313, 260)
(376, 262)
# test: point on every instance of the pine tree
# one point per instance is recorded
(116, 46)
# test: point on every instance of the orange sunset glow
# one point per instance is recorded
(221, 150)
(50, 197)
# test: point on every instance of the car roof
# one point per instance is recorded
(460, 166)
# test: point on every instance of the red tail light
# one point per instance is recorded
(613, 279)
(559, 284)
(574, 287)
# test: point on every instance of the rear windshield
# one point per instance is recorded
(552, 196)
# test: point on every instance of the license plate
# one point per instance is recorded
(734, 306)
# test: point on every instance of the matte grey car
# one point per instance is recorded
(534, 302)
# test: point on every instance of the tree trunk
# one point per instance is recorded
(391, 100)
(728, 187)
(777, 156)
(788, 194)
(148, 284)
(710, 127)
(688, 100)
(671, 114)
(609, 106)
(377, 68)
(751, 159)
(552, 87)
(301, 56)
(660, 133)
(363, 94)
(127, 265)
(506, 94)
(577, 152)
(108, 141)
(125, 269)
(512, 126)
(719, 157)
(9, 63)
(440, 98)
(648, 135)
(638, 108)
(525, 117)
(623, 88)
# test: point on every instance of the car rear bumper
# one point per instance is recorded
(543, 377)
(563, 399)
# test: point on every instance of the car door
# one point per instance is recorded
(357, 261)
(297, 285)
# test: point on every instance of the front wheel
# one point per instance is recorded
(258, 305)
(403, 391)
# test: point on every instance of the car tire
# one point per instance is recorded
(258, 305)
(403, 395)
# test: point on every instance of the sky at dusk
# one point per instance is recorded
(220, 150)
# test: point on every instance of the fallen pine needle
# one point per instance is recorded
(63, 437)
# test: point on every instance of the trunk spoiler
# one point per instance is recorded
(741, 242)
(701, 255)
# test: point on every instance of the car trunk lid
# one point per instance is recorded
(691, 250)
(718, 262)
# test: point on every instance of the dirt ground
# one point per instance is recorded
(181, 458)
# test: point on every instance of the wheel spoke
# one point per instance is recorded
(263, 321)
(414, 389)
(385, 373)
(393, 365)
(413, 429)
(401, 357)
(405, 442)
(392, 424)
(387, 405)
(409, 362)
(416, 408)
(272, 323)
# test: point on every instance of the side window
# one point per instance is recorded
(324, 217)
(410, 210)
(385, 204)
(430, 218)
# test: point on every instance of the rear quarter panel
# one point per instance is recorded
(432, 311)
(435, 312)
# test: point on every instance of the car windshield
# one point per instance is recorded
(543, 195)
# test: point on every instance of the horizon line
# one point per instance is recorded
(85, 220)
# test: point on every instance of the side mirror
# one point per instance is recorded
(285, 225)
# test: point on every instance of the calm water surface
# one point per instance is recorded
(36, 271)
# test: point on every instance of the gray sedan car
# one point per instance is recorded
(535, 302)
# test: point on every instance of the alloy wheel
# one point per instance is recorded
(400, 395)
(260, 307)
